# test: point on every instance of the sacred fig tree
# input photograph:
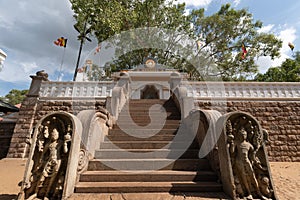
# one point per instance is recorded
(225, 44)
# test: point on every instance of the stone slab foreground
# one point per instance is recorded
(151, 196)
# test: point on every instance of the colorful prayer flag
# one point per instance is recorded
(61, 42)
(199, 44)
(80, 70)
(98, 48)
(291, 45)
(244, 51)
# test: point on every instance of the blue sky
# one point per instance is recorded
(28, 29)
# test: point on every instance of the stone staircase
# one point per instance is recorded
(132, 161)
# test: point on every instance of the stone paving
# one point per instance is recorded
(151, 196)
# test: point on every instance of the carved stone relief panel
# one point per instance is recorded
(50, 158)
(245, 144)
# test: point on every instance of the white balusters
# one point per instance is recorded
(244, 90)
(76, 89)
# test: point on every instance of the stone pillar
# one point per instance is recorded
(22, 132)
(120, 95)
(183, 102)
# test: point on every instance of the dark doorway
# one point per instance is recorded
(149, 92)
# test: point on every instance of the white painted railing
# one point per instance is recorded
(243, 90)
(197, 90)
(76, 89)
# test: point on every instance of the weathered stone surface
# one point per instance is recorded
(281, 119)
(151, 196)
(33, 110)
(6, 132)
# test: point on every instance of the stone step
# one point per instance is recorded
(145, 101)
(146, 110)
(151, 196)
(151, 101)
(126, 137)
(146, 145)
(152, 126)
(146, 115)
(149, 104)
(141, 136)
(149, 164)
(145, 153)
(142, 132)
(146, 121)
(126, 187)
(151, 176)
(145, 106)
(146, 118)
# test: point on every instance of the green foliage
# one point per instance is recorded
(15, 96)
(289, 71)
(221, 36)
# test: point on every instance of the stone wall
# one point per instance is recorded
(280, 118)
(32, 111)
(6, 132)
(276, 106)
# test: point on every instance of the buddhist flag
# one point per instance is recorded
(244, 51)
(61, 42)
(291, 45)
(82, 69)
(98, 48)
(199, 44)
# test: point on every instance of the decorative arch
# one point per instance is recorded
(150, 92)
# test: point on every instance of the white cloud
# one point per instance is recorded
(266, 29)
(236, 2)
(29, 67)
(27, 38)
(288, 34)
(196, 3)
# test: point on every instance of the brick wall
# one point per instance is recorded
(32, 111)
(6, 132)
(280, 119)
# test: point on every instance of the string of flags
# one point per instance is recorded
(81, 70)
(87, 67)
(244, 51)
(98, 48)
(199, 45)
(61, 42)
(291, 45)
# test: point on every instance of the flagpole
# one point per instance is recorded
(81, 36)
(78, 60)
(62, 61)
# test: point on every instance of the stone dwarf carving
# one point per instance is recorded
(250, 175)
(50, 160)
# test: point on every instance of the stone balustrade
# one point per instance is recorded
(55, 90)
(197, 90)
(243, 90)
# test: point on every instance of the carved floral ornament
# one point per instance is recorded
(50, 159)
(245, 143)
